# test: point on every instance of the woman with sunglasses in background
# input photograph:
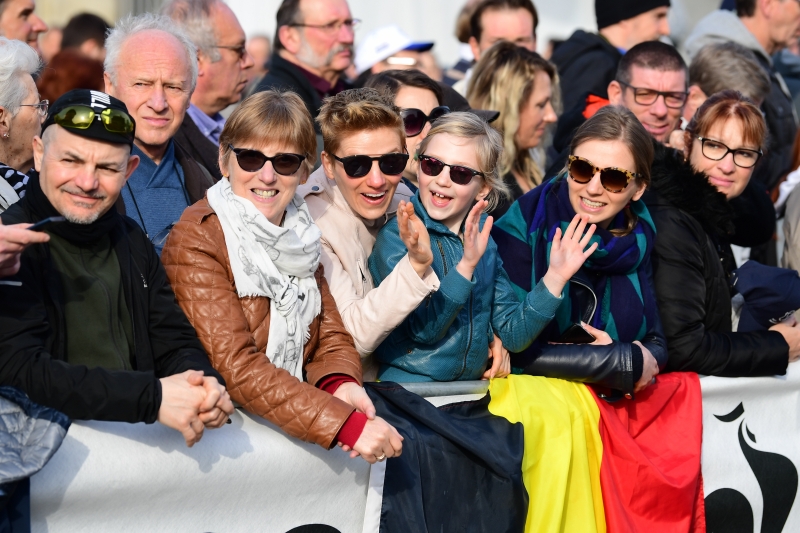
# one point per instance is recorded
(351, 197)
(446, 337)
(420, 100)
(690, 204)
(21, 116)
(244, 263)
(521, 85)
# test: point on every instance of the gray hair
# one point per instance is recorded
(129, 26)
(17, 60)
(729, 65)
(194, 17)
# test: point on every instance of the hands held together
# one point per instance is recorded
(379, 440)
(191, 402)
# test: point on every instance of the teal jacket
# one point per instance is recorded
(447, 337)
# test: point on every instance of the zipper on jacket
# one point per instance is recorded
(441, 251)
(594, 296)
(363, 278)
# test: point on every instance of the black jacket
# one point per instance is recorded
(32, 336)
(197, 147)
(692, 262)
(610, 366)
(285, 75)
(586, 63)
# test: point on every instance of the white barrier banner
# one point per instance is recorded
(246, 476)
(751, 449)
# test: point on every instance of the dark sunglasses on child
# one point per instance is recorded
(358, 166)
(253, 161)
(612, 179)
(458, 174)
(414, 119)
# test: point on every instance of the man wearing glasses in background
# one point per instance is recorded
(313, 47)
(223, 66)
(89, 325)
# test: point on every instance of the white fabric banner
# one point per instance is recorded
(751, 449)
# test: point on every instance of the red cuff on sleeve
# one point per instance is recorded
(352, 428)
(330, 383)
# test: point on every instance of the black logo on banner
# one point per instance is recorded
(728, 511)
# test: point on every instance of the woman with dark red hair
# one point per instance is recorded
(693, 261)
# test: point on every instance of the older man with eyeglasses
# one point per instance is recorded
(312, 49)
(223, 72)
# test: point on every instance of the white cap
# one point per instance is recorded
(383, 43)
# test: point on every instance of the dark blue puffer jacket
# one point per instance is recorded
(447, 337)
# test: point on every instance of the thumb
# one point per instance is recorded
(194, 377)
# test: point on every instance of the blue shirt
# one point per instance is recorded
(211, 126)
(155, 195)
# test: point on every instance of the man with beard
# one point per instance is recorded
(313, 47)
(89, 325)
(223, 71)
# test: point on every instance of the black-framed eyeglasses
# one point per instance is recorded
(239, 50)
(414, 119)
(613, 179)
(644, 96)
(358, 166)
(41, 107)
(253, 161)
(458, 174)
(716, 151)
(331, 27)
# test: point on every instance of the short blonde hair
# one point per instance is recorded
(503, 81)
(271, 116)
(488, 147)
(357, 110)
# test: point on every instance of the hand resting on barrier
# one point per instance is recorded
(379, 440)
(791, 334)
(183, 397)
(501, 360)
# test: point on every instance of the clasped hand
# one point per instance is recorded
(379, 440)
(191, 402)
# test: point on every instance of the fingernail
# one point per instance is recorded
(229, 421)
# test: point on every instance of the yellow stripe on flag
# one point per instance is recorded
(563, 451)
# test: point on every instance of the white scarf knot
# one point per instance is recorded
(276, 262)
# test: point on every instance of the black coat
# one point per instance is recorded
(197, 147)
(586, 63)
(32, 333)
(692, 262)
(286, 76)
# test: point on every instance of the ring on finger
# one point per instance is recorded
(381, 457)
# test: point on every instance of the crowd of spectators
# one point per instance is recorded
(361, 215)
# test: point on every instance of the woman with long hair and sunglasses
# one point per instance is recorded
(446, 337)
(244, 263)
(690, 204)
(521, 85)
(420, 100)
(354, 193)
(605, 343)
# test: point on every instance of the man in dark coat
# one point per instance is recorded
(313, 47)
(89, 325)
(588, 61)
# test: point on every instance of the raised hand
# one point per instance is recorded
(475, 240)
(501, 360)
(415, 236)
(568, 253)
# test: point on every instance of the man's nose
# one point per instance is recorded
(157, 99)
(659, 107)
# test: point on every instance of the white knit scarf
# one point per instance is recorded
(274, 262)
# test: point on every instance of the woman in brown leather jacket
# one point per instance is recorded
(244, 265)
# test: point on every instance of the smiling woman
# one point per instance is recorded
(270, 325)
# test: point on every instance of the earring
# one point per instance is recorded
(5, 135)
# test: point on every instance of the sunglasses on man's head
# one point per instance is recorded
(414, 119)
(458, 174)
(612, 179)
(253, 161)
(80, 117)
(358, 166)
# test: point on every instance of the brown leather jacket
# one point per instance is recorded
(234, 332)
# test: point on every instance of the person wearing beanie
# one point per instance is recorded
(587, 61)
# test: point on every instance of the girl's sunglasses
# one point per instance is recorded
(358, 166)
(414, 119)
(458, 174)
(612, 179)
(253, 161)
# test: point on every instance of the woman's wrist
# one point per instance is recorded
(554, 283)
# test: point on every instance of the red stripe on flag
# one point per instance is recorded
(650, 471)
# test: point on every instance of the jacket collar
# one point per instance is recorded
(677, 184)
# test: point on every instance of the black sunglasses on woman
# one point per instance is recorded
(414, 119)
